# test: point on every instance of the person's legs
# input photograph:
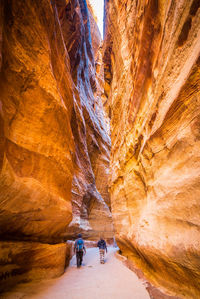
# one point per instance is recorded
(101, 252)
(81, 257)
(78, 259)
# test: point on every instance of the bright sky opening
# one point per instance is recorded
(98, 6)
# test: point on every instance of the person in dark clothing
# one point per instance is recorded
(79, 249)
(102, 248)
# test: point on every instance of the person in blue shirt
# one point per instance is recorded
(102, 248)
(79, 249)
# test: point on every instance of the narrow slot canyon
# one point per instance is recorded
(100, 135)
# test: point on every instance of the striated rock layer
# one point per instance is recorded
(36, 105)
(152, 80)
(36, 141)
(54, 147)
(25, 261)
(90, 198)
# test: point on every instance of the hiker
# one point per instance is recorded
(102, 248)
(79, 248)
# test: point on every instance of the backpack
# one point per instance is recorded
(79, 245)
(102, 244)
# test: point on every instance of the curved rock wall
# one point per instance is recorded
(90, 198)
(152, 79)
(53, 149)
(36, 140)
(36, 106)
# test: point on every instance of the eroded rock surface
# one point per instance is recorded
(152, 78)
(90, 198)
(36, 105)
(27, 261)
(54, 152)
(36, 140)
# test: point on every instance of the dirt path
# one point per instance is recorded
(92, 281)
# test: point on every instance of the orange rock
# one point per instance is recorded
(25, 261)
(54, 146)
(152, 80)
(36, 142)
(36, 101)
(90, 198)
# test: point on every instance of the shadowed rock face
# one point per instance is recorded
(152, 77)
(25, 261)
(90, 198)
(53, 149)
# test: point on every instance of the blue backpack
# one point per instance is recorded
(79, 245)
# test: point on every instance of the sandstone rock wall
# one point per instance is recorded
(26, 261)
(152, 79)
(53, 149)
(36, 141)
(36, 106)
(90, 198)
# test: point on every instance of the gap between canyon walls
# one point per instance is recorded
(56, 81)
(90, 197)
(152, 81)
(54, 141)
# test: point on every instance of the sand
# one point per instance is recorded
(93, 280)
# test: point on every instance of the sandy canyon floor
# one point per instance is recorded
(93, 281)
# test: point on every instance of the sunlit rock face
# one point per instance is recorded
(36, 104)
(36, 141)
(152, 78)
(53, 149)
(90, 198)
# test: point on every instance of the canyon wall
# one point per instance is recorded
(152, 80)
(90, 198)
(54, 152)
(37, 145)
